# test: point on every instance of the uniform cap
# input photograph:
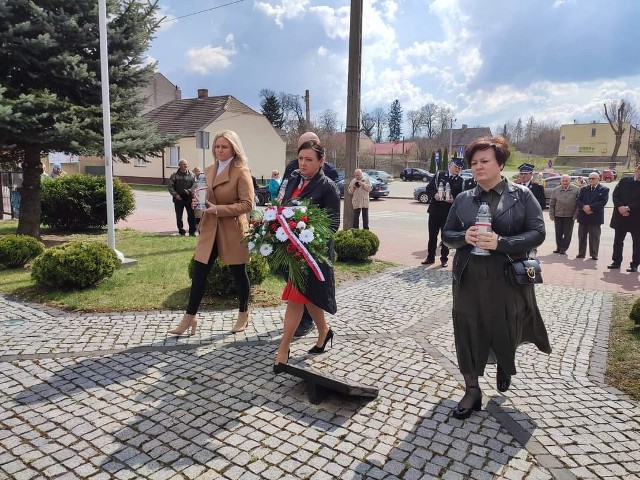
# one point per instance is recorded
(526, 168)
(458, 162)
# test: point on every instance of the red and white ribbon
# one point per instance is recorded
(315, 268)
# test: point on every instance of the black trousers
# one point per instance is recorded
(436, 223)
(365, 218)
(618, 244)
(564, 232)
(180, 206)
(593, 231)
(199, 282)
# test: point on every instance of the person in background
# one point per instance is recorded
(57, 171)
(306, 325)
(310, 182)
(359, 187)
(274, 186)
(562, 211)
(626, 219)
(180, 187)
(526, 180)
(492, 317)
(223, 228)
(197, 213)
(439, 207)
(590, 206)
(581, 182)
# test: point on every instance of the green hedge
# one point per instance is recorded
(17, 250)
(635, 312)
(79, 202)
(220, 281)
(354, 245)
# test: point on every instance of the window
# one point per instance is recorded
(174, 156)
(593, 132)
(140, 162)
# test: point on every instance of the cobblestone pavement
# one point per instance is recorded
(112, 397)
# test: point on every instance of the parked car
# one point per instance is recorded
(379, 189)
(411, 174)
(466, 173)
(379, 175)
(584, 172)
(609, 175)
(420, 194)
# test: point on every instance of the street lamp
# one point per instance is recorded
(451, 138)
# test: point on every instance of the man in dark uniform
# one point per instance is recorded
(626, 219)
(469, 183)
(443, 188)
(526, 174)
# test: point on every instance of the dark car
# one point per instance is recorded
(262, 195)
(584, 172)
(379, 189)
(420, 194)
(411, 174)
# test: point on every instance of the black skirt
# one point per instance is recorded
(492, 316)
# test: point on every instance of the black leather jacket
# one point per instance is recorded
(517, 220)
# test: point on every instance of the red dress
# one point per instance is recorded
(290, 293)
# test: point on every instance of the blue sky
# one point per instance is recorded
(490, 61)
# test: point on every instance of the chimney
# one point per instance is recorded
(203, 93)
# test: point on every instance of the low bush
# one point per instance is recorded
(17, 250)
(74, 265)
(79, 202)
(635, 313)
(220, 280)
(355, 245)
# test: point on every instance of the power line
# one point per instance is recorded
(201, 11)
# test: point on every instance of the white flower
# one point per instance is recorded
(301, 225)
(252, 246)
(280, 235)
(288, 212)
(306, 236)
(266, 249)
(269, 215)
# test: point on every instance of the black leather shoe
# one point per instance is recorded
(614, 266)
(317, 349)
(632, 269)
(503, 380)
(594, 258)
(279, 368)
(557, 251)
(444, 263)
(579, 256)
(428, 261)
(461, 413)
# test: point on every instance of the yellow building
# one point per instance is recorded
(591, 144)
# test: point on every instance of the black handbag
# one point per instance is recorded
(523, 272)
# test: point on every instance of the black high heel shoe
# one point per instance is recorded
(317, 349)
(279, 367)
(503, 380)
(462, 413)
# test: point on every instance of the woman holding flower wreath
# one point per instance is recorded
(309, 183)
(222, 228)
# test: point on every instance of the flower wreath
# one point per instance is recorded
(292, 237)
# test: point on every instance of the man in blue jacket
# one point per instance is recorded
(590, 207)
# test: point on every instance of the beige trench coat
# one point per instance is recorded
(360, 197)
(232, 192)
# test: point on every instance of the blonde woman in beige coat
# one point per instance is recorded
(223, 227)
(360, 187)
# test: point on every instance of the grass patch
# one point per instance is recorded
(144, 187)
(623, 361)
(159, 281)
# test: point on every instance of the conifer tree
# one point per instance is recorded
(272, 109)
(50, 86)
(395, 121)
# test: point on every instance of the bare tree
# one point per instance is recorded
(368, 123)
(517, 132)
(416, 119)
(617, 115)
(327, 121)
(444, 116)
(429, 112)
(381, 118)
(292, 110)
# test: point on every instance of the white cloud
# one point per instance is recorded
(287, 9)
(335, 21)
(207, 59)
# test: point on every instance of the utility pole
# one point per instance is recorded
(451, 139)
(307, 110)
(352, 132)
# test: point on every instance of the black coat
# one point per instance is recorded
(320, 191)
(596, 199)
(517, 220)
(538, 192)
(440, 207)
(626, 193)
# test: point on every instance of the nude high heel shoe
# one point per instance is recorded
(186, 322)
(241, 323)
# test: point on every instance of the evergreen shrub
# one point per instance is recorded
(355, 245)
(74, 265)
(17, 250)
(79, 202)
(220, 281)
(635, 313)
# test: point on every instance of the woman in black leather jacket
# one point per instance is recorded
(491, 317)
(309, 182)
